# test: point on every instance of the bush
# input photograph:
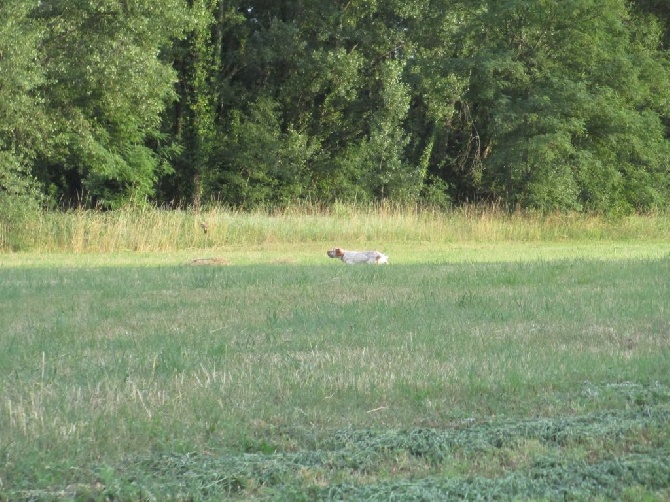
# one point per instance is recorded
(19, 201)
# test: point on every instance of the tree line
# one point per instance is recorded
(530, 103)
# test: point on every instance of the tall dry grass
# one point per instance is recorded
(150, 229)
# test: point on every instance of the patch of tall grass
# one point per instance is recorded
(150, 229)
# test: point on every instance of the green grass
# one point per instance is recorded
(509, 370)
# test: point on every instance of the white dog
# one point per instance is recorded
(353, 257)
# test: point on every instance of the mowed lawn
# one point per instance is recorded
(496, 372)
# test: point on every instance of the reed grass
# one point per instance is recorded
(149, 229)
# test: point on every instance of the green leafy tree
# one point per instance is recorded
(544, 104)
(375, 153)
(321, 84)
(107, 86)
(23, 125)
(655, 12)
(264, 164)
(192, 120)
(567, 101)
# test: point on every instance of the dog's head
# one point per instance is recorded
(381, 258)
(335, 253)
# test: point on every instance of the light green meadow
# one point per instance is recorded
(509, 369)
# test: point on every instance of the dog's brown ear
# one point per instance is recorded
(339, 252)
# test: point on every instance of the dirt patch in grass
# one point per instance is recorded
(210, 261)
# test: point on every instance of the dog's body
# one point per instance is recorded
(354, 257)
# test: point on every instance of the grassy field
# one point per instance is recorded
(509, 368)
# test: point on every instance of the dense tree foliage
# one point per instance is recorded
(23, 123)
(542, 104)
